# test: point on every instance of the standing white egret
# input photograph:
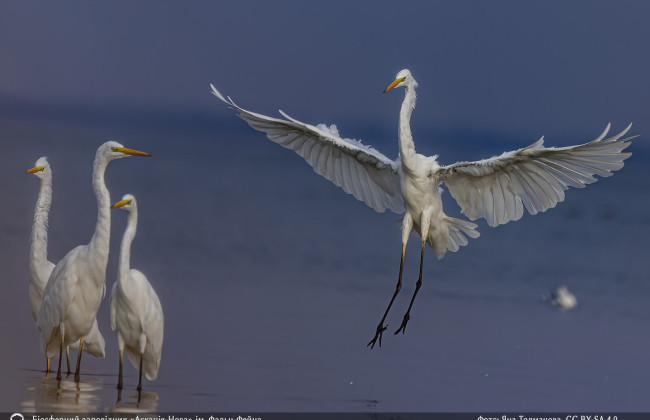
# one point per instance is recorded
(39, 266)
(496, 189)
(136, 313)
(77, 285)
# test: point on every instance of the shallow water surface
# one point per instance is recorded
(273, 280)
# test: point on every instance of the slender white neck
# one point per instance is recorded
(100, 242)
(125, 249)
(406, 145)
(38, 250)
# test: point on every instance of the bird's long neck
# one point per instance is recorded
(38, 250)
(406, 145)
(100, 241)
(125, 249)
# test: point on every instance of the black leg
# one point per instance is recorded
(140, 380)
(119, 380)
(407, 316)
(58, 373)
(381, 327)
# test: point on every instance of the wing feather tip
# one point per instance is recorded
(216, 93)
(604, 133)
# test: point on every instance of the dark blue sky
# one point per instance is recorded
(518, 69)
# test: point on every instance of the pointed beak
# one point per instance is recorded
(131, 152)
(120, 203)
(395, 83)
(34, 170)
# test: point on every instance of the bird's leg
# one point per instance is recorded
(140, 380)
(425, 220)
(407, 316)
(381, 327)
(119, 380)
(407, 224)
(47, 371)
(67, 357)
(58, 373)
(81, 347)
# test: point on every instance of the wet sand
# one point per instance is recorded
(273, 280)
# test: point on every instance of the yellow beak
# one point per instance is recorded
(130, 152)
(395, 83)
(120, 203)
(35, 169)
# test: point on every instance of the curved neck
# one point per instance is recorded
(125, 249)
(38, 250)
(100, 241)
(406, 145)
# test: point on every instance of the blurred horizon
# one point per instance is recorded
(274, 278)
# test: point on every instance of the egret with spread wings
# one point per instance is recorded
(497, 189)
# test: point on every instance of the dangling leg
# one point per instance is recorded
(67, 356)
(140, 380)
(119, 380)
(58, 373)
(407, 225)
(424, 225)
(81, 347)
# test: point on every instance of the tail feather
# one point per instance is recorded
(459, 230)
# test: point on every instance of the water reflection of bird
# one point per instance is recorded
(40, 267)
(76, 286)
(45, 395)
(136, 312)
(496, 189)
(136, 402)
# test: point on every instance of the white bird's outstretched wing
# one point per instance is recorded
(357, 168)
(534, 177)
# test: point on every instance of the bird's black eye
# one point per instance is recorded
(114, 149)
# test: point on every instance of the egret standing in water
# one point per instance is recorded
(77, 285)
(496, 189)
(39, 266)
(136, 312)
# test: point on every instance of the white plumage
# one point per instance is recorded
(40, 267)
(136, 312)
(497, 189)
(534, 177)
(77, 285)
(359, 169)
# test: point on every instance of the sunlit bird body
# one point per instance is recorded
(77, 285)
(40, 267)
(136, 312)
(496, 189)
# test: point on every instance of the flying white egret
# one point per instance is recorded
(562, 298)
(496, 189)
(77, 285)
(40, 267)
(136, 313)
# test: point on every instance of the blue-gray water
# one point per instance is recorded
(273, 280)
